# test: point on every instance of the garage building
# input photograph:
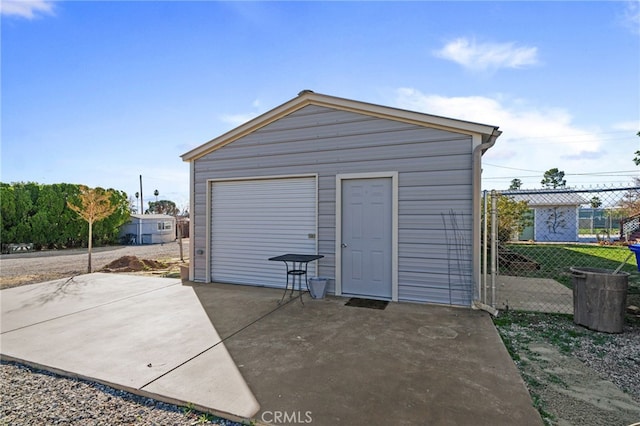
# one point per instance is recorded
(390, 197)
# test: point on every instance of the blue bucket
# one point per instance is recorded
(636, 249)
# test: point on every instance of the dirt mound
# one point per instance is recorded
(133, 264)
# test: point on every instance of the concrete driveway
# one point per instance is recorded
(233, 351)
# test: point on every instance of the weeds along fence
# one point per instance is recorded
(531, 239)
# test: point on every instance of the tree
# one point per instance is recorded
(107, 231)
(553, 178)
(630, 203)
(16, 209)
(39, 214)
(515, 184)
(92, 205)
(513, 217)
(163, 207)
(53, 223)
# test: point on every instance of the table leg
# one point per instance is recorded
(300, 282)
(300, 273)
(286, 286)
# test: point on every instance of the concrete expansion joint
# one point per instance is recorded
(221, 341)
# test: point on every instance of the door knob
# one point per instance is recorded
(343, 245)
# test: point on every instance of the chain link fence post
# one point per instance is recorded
(494, 245)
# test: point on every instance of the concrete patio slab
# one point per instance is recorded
(126, 338)
(327, 363)
(201, 380)
(234, 351)
(30, 304)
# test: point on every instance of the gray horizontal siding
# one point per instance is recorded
(435, 178)
(412, 139)
(198, 239)
(333, 162)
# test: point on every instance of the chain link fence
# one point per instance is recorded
(533, 237)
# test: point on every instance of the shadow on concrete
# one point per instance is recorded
(327, 363)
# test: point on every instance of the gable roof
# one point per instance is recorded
(308, 97)
(547, 198)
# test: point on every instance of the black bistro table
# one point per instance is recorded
(296, 267)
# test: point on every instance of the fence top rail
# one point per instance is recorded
(563, 190)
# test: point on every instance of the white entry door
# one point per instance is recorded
(367, 237)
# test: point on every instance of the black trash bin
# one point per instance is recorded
(599, 298)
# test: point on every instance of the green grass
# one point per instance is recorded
(553, 378)
(602, 231)
(556, 259)
(556, 329)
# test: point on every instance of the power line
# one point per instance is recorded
(511, 168)
(602, 173)
(522, 141)
(613, 173)
(631, 133)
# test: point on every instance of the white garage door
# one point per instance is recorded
(253, 220)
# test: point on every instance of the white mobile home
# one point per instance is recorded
(149, 229)
(389, 197)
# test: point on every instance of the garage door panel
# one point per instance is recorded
(247, 246)
(270, 229)
(253, 220)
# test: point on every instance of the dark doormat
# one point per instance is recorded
(367, 303)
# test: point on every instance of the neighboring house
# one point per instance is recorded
(555, 214)
(149, 229)
(390, 197)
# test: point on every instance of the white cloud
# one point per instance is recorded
(28, 9)
(628, 126)
(534, 138)
(631, 16)
(237, 119)
(488, 56)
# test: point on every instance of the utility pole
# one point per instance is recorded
(141, 197)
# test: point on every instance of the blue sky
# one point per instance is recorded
(99, 93)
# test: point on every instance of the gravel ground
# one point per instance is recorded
(617, 359)
(575, 376)
(33, 397)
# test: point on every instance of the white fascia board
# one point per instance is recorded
(397, 114)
